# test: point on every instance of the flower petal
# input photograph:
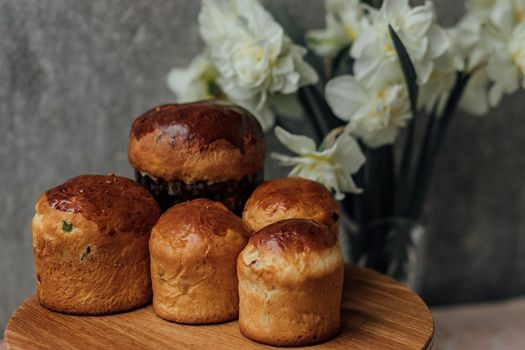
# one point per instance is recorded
(283, 159)
(439, 41)
(296, 143)
(345, 96)
(392, 8)
(347, 153)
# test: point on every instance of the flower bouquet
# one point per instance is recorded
(378, 87)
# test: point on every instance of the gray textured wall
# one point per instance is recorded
(73, 75)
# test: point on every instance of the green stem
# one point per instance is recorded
(406, 161)
(358, 199)
(379, 183)
(428, 137)
(404, 177)
(329, 118)
(339, 58)
(309, 93)
(442, 127)
(377, 201)
(388, 172)
(312, 116)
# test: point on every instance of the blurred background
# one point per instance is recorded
(74, 74)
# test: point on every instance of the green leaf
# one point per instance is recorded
(312, 113)
(409, 72)
(408, 69)
(66, 226)
(441, 128)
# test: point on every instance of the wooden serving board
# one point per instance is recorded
(378, 313)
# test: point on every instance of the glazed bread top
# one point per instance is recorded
(197, 230)
(293, 236)
(115, 204)
(287, 198)
(200, 141)
(290, 251)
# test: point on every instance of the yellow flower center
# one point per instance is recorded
(254, 52)
(209, 75)
(350, 32)
(518, 13)
(254, 63)
(389, 48)
(516, 61)
(319, 157)
(385, 113)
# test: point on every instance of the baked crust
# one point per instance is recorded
(287, 198)
(194, 247)
(200, 141)
(290, 286)
(90, 244)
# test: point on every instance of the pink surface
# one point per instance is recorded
(492, 326)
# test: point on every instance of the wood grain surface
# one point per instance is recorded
(378, 313)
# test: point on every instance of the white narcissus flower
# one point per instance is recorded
(374, 112)
(194, 82)
(344, 19)
(332, 167)
(424, 40)
(510, 11)
(487, 17)
(505, 38)
(466, 39)
(480, 8)
(435, 92)
(506, 67)
(475, 96)
(250, 51)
